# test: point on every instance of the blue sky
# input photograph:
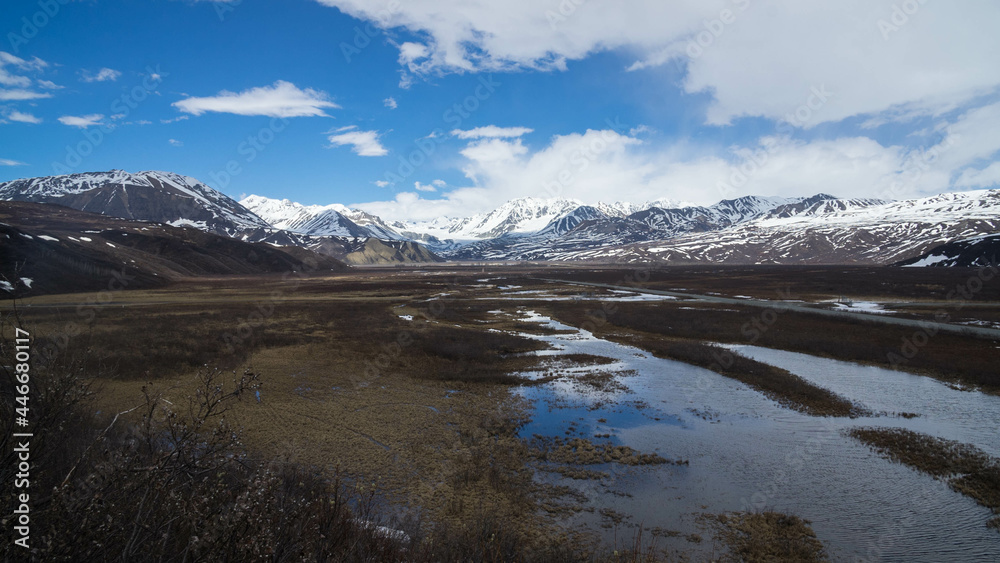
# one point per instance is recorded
(421, 108)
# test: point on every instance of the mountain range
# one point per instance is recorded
(820, 229)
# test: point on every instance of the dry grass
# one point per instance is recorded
(418, 411)
(418, 414)
(581, 451)
(766, 537)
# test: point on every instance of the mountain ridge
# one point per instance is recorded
(747, 230)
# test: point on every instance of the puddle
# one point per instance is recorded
(965, 416)
(745, 452)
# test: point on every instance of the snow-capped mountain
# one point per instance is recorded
(523, 215)
(746, 230)
(163, 197)
(819, 232)
(973, 252)
(320, 220)
(624, 208)
(315, 220)
(372, 223)
(588, 227)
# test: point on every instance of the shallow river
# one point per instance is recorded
(745, 452)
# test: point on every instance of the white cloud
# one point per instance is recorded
(988, 177)
(363, 143)
(491, 131)
(175, 142)
(22, 94)
(381, 183)
(282, 99)
(82, 121)
(103, 75)
(48, 85)
(423, 187)
(15, 115)
(490, 151)
(390, 103)
(176, 119)
(763, 60)
(9, 162)
(410, 52)
(8, 79)
(607, 165)
(19, 86)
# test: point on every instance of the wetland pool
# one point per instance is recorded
(745, 452)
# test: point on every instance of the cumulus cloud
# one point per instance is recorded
(423, 187)
(22, 117)
(988, 177)
(753, 57)
(82, 121)
(598, 165)
(363, 143)
(282, 99)
(103, 75)
(390, 103)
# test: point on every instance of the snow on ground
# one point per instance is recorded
(987, 324)
(926, 261)
(6, 286)
(202, 225)
(862, 307)
(27, 282)
(47, 237)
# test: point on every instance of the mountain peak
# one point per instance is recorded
(166, 198)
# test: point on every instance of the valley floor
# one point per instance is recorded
(577, 421)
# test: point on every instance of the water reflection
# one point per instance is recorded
(747, 452)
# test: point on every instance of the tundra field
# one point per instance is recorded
(511, 413)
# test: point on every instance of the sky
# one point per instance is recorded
(418, 109)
